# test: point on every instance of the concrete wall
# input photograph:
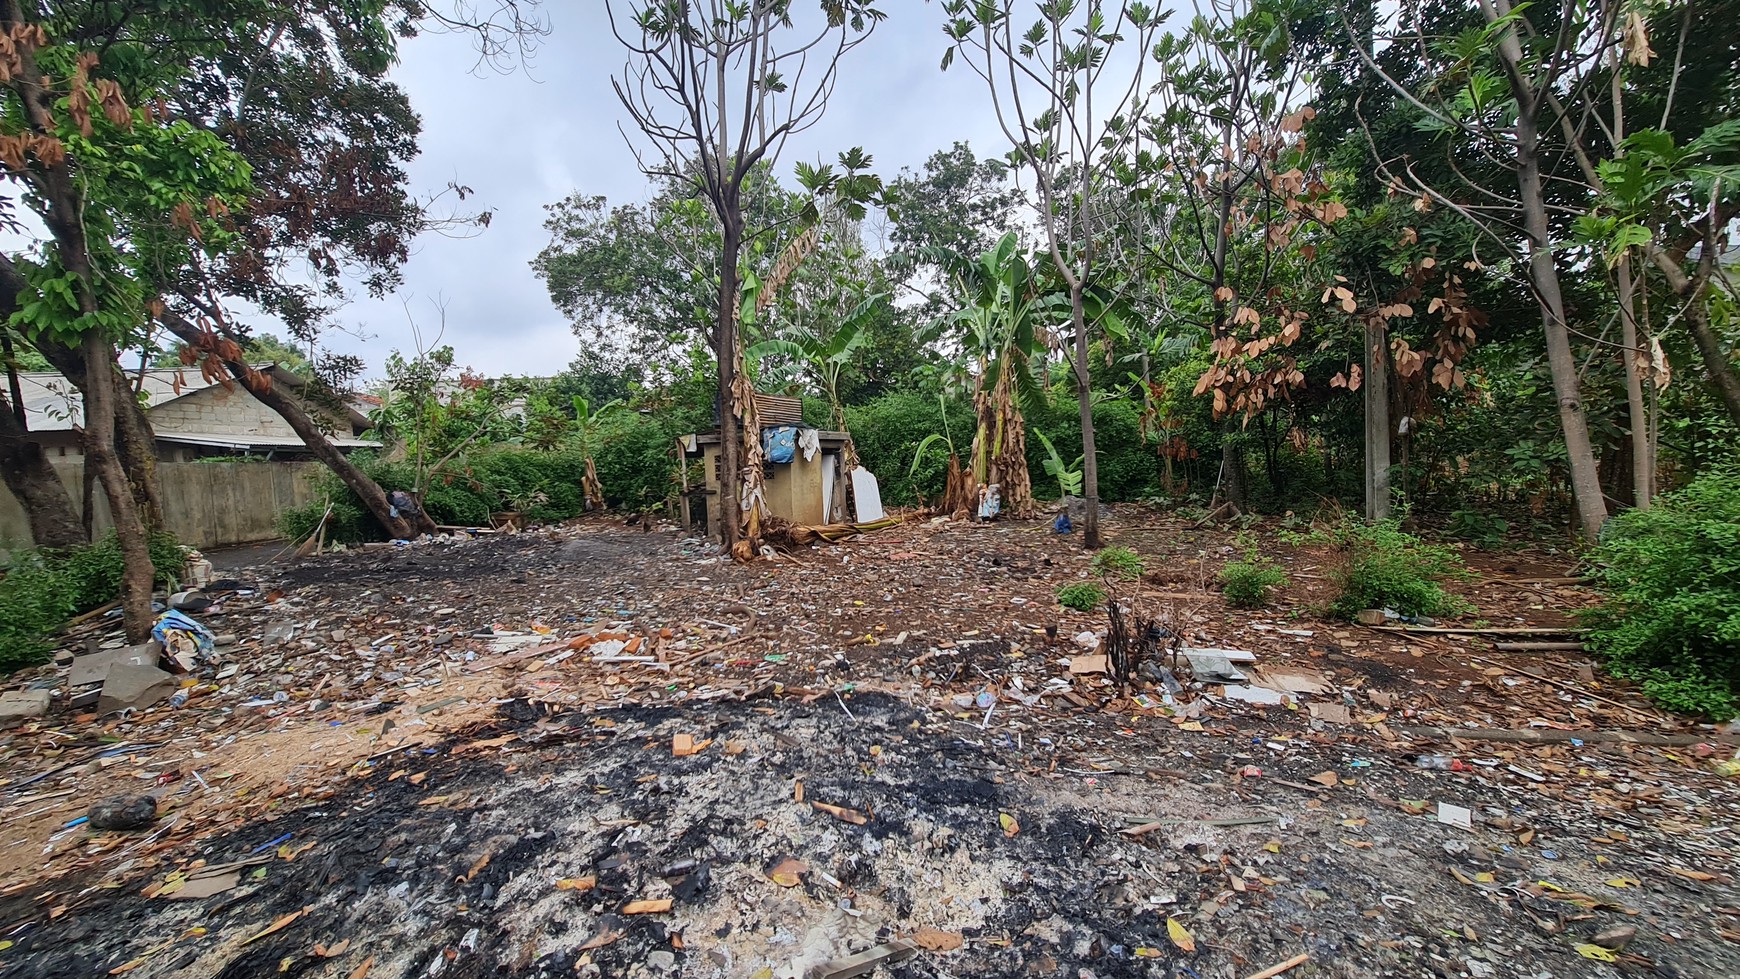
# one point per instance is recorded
(206, 504)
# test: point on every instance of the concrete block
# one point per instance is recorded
(18, 705)
(129, 685)
(94, 667)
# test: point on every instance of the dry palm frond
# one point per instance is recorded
(800, 248)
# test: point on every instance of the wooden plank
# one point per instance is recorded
(1555, 736)
(1503, 631)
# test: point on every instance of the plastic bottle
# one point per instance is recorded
(178, 699)
(1442, 763)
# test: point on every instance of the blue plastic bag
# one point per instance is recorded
(779, 444)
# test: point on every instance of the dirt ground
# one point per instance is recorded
(600, 750)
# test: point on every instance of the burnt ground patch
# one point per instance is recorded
(515, 840)
(525, 860)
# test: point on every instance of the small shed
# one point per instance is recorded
(809, 490)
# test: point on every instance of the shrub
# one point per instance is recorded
(1670, 615)
(35, 598)
(347, 524)
(1117, 562)
(1248, 582)
(1083, 596)
(45, 588)
(887, 430)
(1483, 527)
(1382, 566)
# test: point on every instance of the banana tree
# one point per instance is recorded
(586, 420)
(823, 355)
(1006, 307)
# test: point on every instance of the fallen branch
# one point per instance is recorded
(1544, 647)
(1508, 631)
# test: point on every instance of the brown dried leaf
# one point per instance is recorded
(788, 872)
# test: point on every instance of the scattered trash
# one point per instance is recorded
(1455, 816)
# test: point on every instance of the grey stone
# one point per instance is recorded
(123, 812)
(661, 960)
(18, 705)
(94, 667)
(130, 685)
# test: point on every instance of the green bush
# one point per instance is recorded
(1117, 562)
(1670, 577)
(348, 523)
(1481, 526)
(1129, 469)
(1248, 582)
(1382, 566)
(1083, 596)
(888, 430)
(45, 588)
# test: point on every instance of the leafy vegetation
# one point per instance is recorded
(42, 589)
(1252, 580)
(1381, 566)
(1670, 618)
(1083, 596)
(1118, 563)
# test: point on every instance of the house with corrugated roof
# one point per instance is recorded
(193, 418)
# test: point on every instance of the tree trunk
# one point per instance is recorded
(24, 467)
(1233, 481)
(138, 574)
(1377, 421)
(1642, 466)
(725, 352)
(1090, 462)
(373, 498)
(36, 486)
(1544, 274)
(1716, 362)
(1579, 452)
(134, 440)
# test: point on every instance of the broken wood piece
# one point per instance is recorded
(1503, 631)
(865, 962)
(652, 906)
(1572, 689)
(1274, 970)
(843, 814)
(1155, 824)
(1544, 647)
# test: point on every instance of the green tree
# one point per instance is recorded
(716, 89)
(1069, 96)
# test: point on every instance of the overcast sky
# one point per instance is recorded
(530, 137)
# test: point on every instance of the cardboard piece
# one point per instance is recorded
(1230, 655)
(1331, 713)
(1456, 816)
(1088, 664)
(1290, 680)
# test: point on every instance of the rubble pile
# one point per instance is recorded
(597, 751)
